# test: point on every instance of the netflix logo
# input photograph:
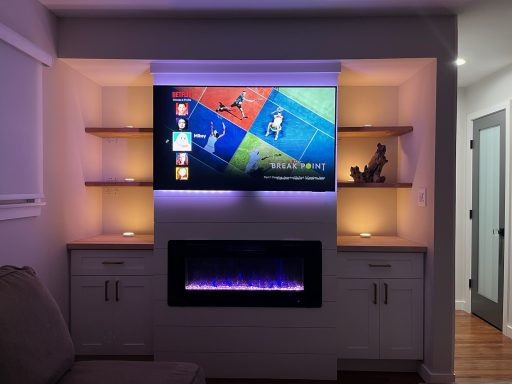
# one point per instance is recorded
(181, 94)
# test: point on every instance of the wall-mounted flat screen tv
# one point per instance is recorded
(244, 138)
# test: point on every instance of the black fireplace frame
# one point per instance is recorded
(310, 297)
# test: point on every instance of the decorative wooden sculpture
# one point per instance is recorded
(371, 173)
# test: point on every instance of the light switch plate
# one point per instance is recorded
(422, 197)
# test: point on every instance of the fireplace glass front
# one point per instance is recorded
(244, 273)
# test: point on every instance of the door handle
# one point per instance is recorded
(374, 293)
(498, 232)
(106, 289)
(385, 293)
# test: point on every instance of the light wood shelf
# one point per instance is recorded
(118, 183)
(351, 184)
(373, 131)
(121, 133)
(378, 244)
(113, 242)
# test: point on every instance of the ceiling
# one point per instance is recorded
(249, 8)
(484, 25)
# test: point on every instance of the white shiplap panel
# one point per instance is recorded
(325, 232)
(249, 317)
(282, 208)
(244, 340)
(259, 365)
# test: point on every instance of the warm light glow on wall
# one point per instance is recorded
(367, 210)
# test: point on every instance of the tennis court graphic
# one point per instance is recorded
(248, 137)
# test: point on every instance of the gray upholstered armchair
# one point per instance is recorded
(36, 348)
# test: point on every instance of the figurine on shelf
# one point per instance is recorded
(371, 173)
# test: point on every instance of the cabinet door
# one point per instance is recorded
(401, 319)
(92, 303)
(132, 315)
(358, 318)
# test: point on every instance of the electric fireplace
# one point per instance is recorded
(245, 273)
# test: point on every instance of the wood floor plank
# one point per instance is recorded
(482, 353)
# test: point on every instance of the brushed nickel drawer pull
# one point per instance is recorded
(112, 262)
(117, 290)
(106, 289)
(379, 265)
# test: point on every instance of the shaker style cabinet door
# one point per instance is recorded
(401, 319)
(92, 314)
(358, 318)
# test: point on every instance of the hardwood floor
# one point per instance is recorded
(482, 353)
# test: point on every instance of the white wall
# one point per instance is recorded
(479, 99)
(56, 94)
(70, 102)
(31, 20)
(417, 107)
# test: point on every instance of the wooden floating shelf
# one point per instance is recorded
(120, 133)
(388, 131)
(113, 242)
(349, 184)
(118, 183)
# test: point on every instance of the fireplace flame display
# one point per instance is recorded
(248, 273)
(251, 285)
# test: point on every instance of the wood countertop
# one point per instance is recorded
(378, 244)
(113, 242)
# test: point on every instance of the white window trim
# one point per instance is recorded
(20, 205)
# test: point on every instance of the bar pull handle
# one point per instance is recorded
(117, 290)
(379, 265)
(374, 293)
(106, 289)
(112, 262)
(385, 293)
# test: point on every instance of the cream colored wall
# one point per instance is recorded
(72, 211)
(125, 208)
(367, 210)
(416, 158)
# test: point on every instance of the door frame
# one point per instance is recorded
(467, 204)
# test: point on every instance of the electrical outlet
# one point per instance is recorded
(422, 197)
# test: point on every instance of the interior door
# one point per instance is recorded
(488, 218)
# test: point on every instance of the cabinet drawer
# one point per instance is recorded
(110, 262)
(380, 265)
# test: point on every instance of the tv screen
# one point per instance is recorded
(244, 138)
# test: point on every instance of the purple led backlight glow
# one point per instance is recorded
(259, 285)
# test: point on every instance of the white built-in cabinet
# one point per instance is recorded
(380, 296)
(111, 302)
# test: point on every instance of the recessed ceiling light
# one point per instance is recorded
(460, 61)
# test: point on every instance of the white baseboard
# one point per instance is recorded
(430, 377)
(508, 331)
(460, 305)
